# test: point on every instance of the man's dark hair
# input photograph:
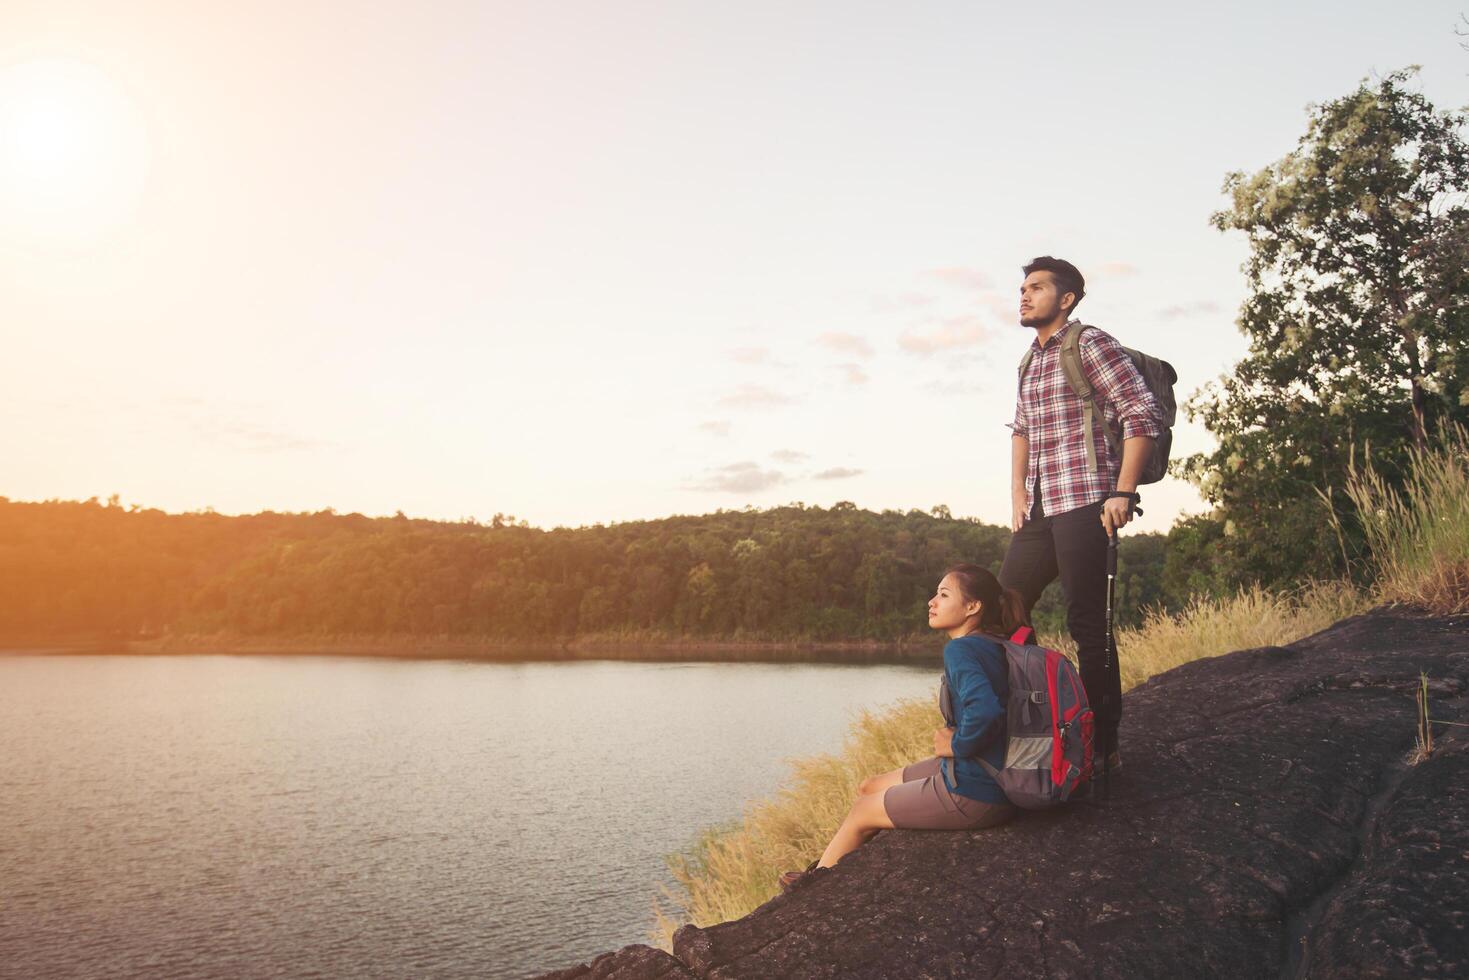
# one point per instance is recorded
(1068, 277)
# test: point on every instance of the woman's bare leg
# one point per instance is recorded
(867, 817)
(880, 782)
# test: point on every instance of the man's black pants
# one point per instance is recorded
(1074, 546)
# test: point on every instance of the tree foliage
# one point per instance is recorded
(838, 573)
(1357, 316)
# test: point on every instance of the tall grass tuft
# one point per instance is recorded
(1419, 536)
(731, 871)
(1252, 617)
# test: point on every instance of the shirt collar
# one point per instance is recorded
(1035, 342)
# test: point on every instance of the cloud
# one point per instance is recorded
(750, 355)
(754, 396)
(854, 373)
(837, 473)
(256, 439)
(225, 428)
(960, 371)
(790, 456)
(845, 343)
(746, 477)
(1182, 311)
(901, 302)
(715, 427)
(1116, 270)
(952, 333)
(1004, 307)
(965, 278)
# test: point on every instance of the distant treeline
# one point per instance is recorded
(788, 573)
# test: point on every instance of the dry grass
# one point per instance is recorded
(1419, 536)
(730, 872)
(1250, 618)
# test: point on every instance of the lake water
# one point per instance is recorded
(343, 817)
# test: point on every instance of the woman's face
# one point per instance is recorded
(948, 610)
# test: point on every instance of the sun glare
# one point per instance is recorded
(73, 150)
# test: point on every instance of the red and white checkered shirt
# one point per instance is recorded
(1049, 415)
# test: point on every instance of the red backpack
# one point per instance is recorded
(1049, 727)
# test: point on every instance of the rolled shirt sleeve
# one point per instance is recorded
(1118, 381)
(1020, 426)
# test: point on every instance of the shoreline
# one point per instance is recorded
(652, 649)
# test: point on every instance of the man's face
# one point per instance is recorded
(1040, 300)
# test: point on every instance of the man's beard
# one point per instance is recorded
(1036, 320)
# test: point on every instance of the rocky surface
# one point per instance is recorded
(629, 963)
(1268, 824)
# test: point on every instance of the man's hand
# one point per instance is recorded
(1019, 466)
(1116, 512)
(943, 743)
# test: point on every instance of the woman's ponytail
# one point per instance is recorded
(1012, 611)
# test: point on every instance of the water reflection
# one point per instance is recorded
(230, 816)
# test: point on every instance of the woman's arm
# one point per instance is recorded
(979, 716)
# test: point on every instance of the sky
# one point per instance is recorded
(596, 262)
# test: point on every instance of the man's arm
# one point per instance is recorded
(1019, 466)
(1117, 380)
(1136, 452)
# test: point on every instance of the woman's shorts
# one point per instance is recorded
(922, 802)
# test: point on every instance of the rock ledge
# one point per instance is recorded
(1268, 824)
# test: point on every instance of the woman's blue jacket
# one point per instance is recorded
(978, 683)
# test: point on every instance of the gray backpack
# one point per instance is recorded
(1157, 374)
(1049, 731)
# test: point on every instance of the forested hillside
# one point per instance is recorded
(70, 569)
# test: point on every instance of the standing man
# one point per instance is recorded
(1068, 498)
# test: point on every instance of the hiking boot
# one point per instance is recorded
(794, 879)
(1091, 787)
(1098, 785)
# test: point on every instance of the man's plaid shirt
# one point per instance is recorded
(1049, 415)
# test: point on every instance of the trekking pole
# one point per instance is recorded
(1107, 664)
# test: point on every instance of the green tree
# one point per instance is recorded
(88, 570)
(1358, 321)
(1189, 568)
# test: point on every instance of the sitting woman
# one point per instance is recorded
(951, 790)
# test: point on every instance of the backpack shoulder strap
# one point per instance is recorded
(1025, 362)
(1071, 362)
(1076, 377)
